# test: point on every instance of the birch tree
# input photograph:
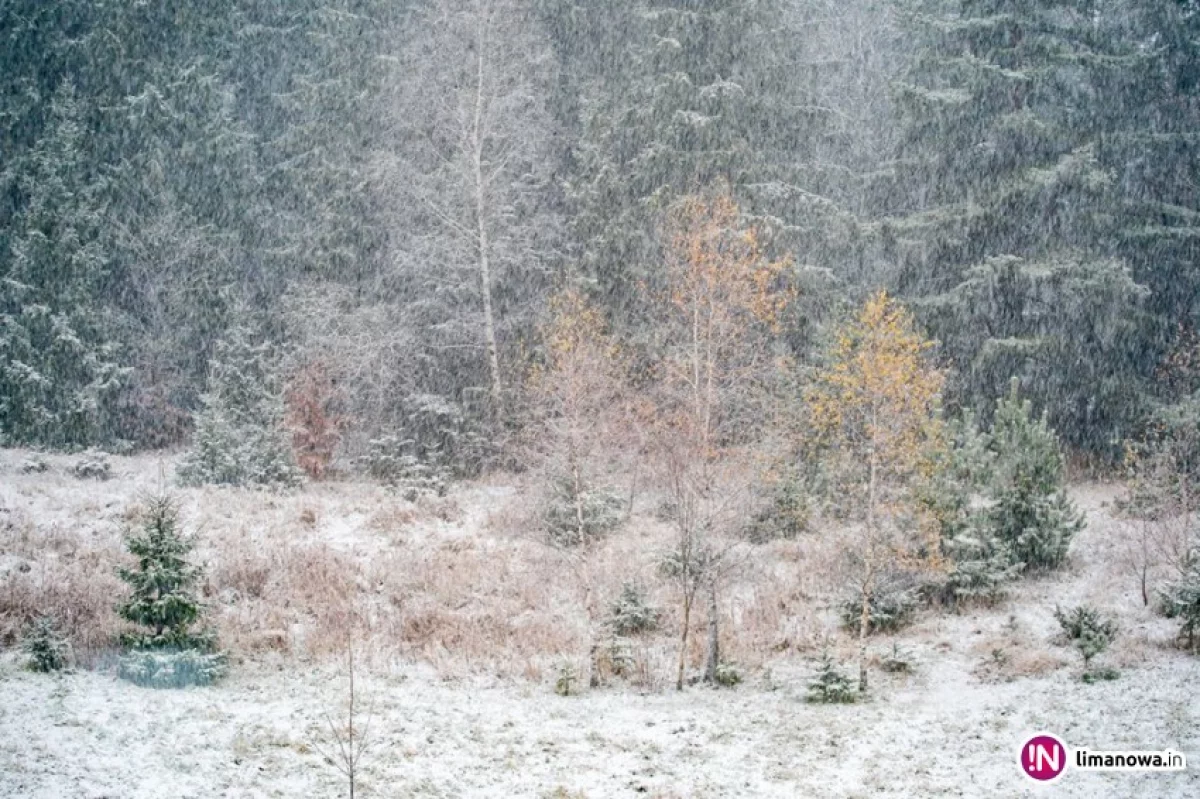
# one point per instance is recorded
(875, 406)
(724, 294)
(470, 167)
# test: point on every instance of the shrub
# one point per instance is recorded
(572, 519)
(786, 514)
(630, 613)
(567, 680)
(240, 436)
(892, 605)
(829, 685)
(315, 428)
(898, 661)
(394, 461)
(1087, 630)
(92, 465)
(728, 675)
(981, 568)
(34, 464)
(46, 646)
(1180, 599)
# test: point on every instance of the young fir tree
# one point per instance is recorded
(166, 650)
(1030, 510)
(240, 435)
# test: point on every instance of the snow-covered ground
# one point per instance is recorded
(258, 735)
(982, 681)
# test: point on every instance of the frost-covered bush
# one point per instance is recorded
(573, 518)
(892, 605)
(240, 436)
(393, 460)
(727, 675)
(630, 613)
(785, 514)
(92, 465)
(46, 646)
(1180, 599)
(981, 568)
(34, 464)
(829, 685)
(566, 682)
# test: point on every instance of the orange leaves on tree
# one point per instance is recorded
(721, 288)
(316, 430)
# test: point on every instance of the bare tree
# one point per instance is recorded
(469, 170)
(349, 742)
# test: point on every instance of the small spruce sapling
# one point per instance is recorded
(46, 646)
(166, 652)
(1180, 599)
(829, 685)
(1091, 634)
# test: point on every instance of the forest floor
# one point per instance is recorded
(463, 703)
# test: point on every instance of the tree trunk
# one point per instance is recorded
(713, 655)
(485, 273)
(683, 641)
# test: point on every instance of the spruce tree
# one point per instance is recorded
(1030, 511)
(59, 367)
(167, 650)
(240, 437)
(1006, 210)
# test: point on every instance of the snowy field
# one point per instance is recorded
(981, 683)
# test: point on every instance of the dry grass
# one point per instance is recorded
(464, 582)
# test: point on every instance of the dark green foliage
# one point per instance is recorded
(630, 614)
(162, 585)
(981, 570)
(829, 685)
(1030, 512)
(892, 604)
(1180, 599)
(1004, 185)
(1163, 464)
(59, 367)
(390, 459)
(46, 646)
(1087, 630)
(240, 438)
(573, 518)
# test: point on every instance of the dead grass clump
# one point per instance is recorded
(392, 517)
(1007, 657)
(78, 593)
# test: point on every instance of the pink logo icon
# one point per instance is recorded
(1044, 757)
